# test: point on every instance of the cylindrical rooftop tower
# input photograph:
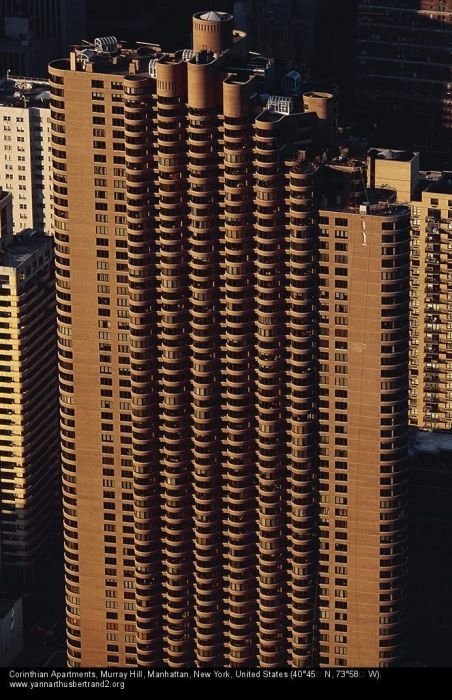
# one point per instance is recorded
(212, 31)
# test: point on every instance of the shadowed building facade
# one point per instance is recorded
(33, 32)
(284, 28)
(29, 456)
(187, 249)
(403, 73)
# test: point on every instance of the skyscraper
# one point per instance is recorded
(29, 454)
(363, 421)
(404, 76)
(33, 32)
(187, 253)
(25, 151)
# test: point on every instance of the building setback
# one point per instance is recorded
(25, 151)
(28, 398)
(190, 332)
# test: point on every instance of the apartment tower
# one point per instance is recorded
(363, 420)
(25, 151)
(28, 398)
(431, 305)
(430, 197)
(186, 234)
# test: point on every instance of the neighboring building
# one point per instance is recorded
(26, 152)
(187, 286)
(430, 546)
(404, 73)
(363, 421)
(394, 170)
(33, 32)
(431, 312)
(11, 630)
(28, 398)
(285, 29)
(430, 281)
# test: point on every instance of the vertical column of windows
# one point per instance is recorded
(174, 338)
(270, 393)
(239, 394)
(205, 336)
(302, 416)
(138, 380)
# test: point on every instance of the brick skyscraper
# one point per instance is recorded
(187, 272)
(363, 421)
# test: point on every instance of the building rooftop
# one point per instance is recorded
(22, 248)
(439, 183)
(343, 189)
(430, 441)
(214, 16)
(391, 154)
(4, 194)
(20, 92)
(375, 206)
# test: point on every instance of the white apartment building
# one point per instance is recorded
(25, 151)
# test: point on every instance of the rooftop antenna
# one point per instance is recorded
(150, 44)
(361, 170)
